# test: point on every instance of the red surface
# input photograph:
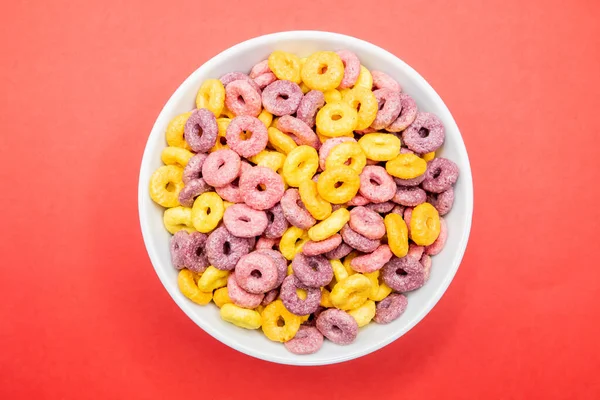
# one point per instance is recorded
(83, 314)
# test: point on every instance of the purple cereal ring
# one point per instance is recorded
(180, 242)
(308, 340)
(373, 261)
(358, 200)
(191, 190)
(196, 259)
(415, 251)
(425, 134)
(245, 222)
(443, 201)
(382, 80)
(280, 263)
(408, 113)
(270, 297)
(390, 308)
(295, 304)
(312, 318)
(242, 98)
(437, 246)
(407, 215)
(260, 69)
(193, 169)
(441, 174)
(404, 150)
(252, 145)
(311, 248)
(261, 187)
(266, 243)
(221, 167)
(256, 273)
(351, 68)
(398, 209)
(358, 241)
(299, 131)
(265, 80)
(410, 182)
(239, 296)
(282, 97)
(277, 222)
(367, 222)
(426, 263)
(231, 192)
(376, 185)
(409, 196)
(403, 274)
(389, 107)
(337, 326)
(224, 250)
(294, 210)
(201, 130)
(381, 208)
(309, 105)
(315, 271)
(341, 251)
(330, 144)
(237, 76)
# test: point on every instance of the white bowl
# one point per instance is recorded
(242, 57)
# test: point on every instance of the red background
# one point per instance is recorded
(83, 314)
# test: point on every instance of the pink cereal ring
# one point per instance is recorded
(277, 222)
(408, 113)
(221, 167)
(358, 200)
(224, 250)
(376, 184)
(294, 210)
(426, 263)
(311, 248)
(256, 273)
(299, 131)
(314, 271)
(309, 105)
(337, 326)
(351, 68)
(404, 150)
(330, 144)
(437, 246)
(365, 131)
(254, 144)
(390, 308)
(367, 222)
(245, 222)
(341, 251)
(193, 169)
(260, 69)
(191, 190)
(178, 246)
(381, 208)
(308, 340)
(382, 80)
(261, 187)
(266, 243)
(358, 241)
(403, 274)
(243, 99)
(231, 192)
(410, 196)
(443, 201)
(241, 297)
(282, 97)
(237, 76)
(265, 80)
(372, 262)
(280, 263)
(295, 304)
(441, 174)
(415, 251)
(410, 182)
(389, 107)
(398, 209)
(407, 215)
(200, 130)
(270, 297)
(425, 134)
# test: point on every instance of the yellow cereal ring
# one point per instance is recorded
(187, 282)
(207, 212)
(300, 165)
(165, 185)
(397, 234)
(338, 185)
(428, 156)
(424, 224)
(290, 270)
(351, 292)
(329, 226)
(336, 119)
(339, 271)
(212, 279)
(406, 166)
(314, 203)
(221, 296)
(272, 316)
(227, 113)
(363, 314)
(332, 96)
(221, 142)
(292, 241)
(259, 309)
(265, 117)
(175, 128)
(380, 146)
(325, 300)
(176, 156)
(365, 79)
(270, 159)
(323, 71)
(211, 96)
(280, 141)
(347, 153)
(379, 289)
(364, 101)
(242, 317)
(285, 66)
(177, 219)
(353, 254)
(305, 89)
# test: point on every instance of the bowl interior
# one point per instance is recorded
(372, 337)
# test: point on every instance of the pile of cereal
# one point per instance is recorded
(314, 161)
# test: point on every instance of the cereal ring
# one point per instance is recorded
(328, 145)
(243, 99)
(437, 246)
(244, 145)
(224, 250)
(277, 222)
(365, 103)
(410, 182)
(243, 221)
(348, 153)
(424, 224)
(292, 241)
(285, 66)
(270, 159)
(282, 97)
(406, 166)
(299, 131)
(308, 340)
(403, 274)
(193, 169)
(180, 243)
(442, 202)
(376, 184)
(363, 314)
(272, 317)
(174, 134)
(264, 243)
(409, 196)
(312, 271)
(264, 80)
(408, 113)
(312, 248)
(238, 76)
(336, 119)
(176, 156)
(397, 234)
(195, 254)
(270, 297)
(221, 297)
(300, 165)
(231, 192)
(280, 263)
(351, 68)
(212, 279)
(358, 241)
(382, 80)
(312, 201)
(340, 252)
(379, 290)
(382, 208)
(365, 79)
(280, 141)
(191, 190)
(261, 188)
(259, 69)
(176, 219)
(440, 176)
(239, 296)
(338, 185)
(309, 105)
(331, 96)
(367, 223)
(256, 273)
(329, 226)
(389, 107)
(323, 70)
(426, 263)
(221, 167)
(266, 118)
(187, 283)
(165, 185)
(373, 261)
(425, 134)
(294, 210)
(201, 130)
(415, 251)
(380, 146)
(293, 302)
(207, 212)
(337, 326)
(211, 96)
(239, 316)
(358, 200)
(390, 308)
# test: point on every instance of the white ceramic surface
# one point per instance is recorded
(372, 337)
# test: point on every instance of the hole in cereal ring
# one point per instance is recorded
(198, 130)
(301, 165)
(301, 293)
(374, 182)
(283, 96)
(176, 246)
(226, 248)
(208, 210)
(236, 182)
(313, 264)
(244, 218)
(170, 187)
(223, 140)
(336, 117)
(261, 188)
(338, 184)
(322, 68)
(381, 104)
(241, 100)
(358, 107)
(437, 172)
(336, 329)
(256, 273)
(348, 161)
(199, 251)
(245, 135)
(401, 272)
(280, 322)
(423, 132)
(270, 215)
